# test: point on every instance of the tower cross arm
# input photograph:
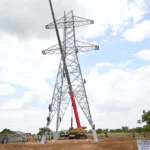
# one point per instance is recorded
(60, 24)
(79, 21)
(80, 47)
(84, 47)
(52, 50)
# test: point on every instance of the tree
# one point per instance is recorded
(41, 131)
(125, 129)
(145, 118)
(7, 131)
(99, 130)
(139, 121)
(64, 132)
(146, 128)
(107, 130)
(138, 129)
(117, 130)
(112, 131)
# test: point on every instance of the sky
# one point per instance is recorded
(117, 75)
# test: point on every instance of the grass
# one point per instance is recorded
(121, 134)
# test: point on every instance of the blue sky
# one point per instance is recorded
(117, 51)
(117, 75)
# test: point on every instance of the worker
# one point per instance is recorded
(106, 135)
(144, 134)
(103, 135)
(6, 140)
(50, 107)
(3, 139)
(23, 140)
(60, 119)
(133, 134)
(93, 126)
(39, 138)
(48, 119)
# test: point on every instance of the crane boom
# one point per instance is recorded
(72, 97)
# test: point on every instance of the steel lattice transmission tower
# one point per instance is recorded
(69, 83)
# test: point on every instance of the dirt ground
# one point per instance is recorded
(114, 143)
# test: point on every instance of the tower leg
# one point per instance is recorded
(59, 102)
(63, 99)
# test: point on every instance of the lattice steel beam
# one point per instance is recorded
(78, 21)
(80, 47)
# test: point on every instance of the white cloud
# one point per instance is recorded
(138, 32)
(6, 89)
(109, 65)
(22, 63)
(25, 120)
(137, 8)
(119, 85)
(28, 101)
(19, 111)
(118, 93)
(144, 54)
(113, 94)
(107, 13)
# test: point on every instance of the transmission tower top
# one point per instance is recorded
(67, 21)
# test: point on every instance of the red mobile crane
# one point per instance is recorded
(79, 131)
